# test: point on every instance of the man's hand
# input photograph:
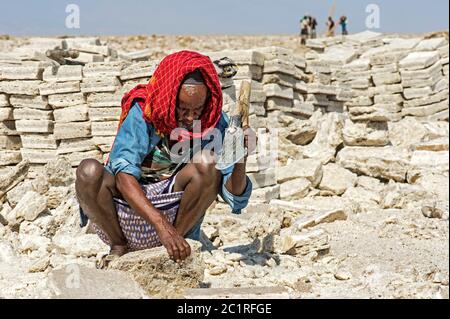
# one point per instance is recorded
(237, 183)
(177, 247)
(250, 140)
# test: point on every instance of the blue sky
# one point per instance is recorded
(127, 17)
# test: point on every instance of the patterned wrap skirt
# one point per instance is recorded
(138, 232)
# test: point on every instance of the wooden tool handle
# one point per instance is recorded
(243, 102)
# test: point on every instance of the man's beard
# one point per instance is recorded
(190, 127)
(185, 126)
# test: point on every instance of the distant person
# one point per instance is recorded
(330, 27)
(343, 22)
(313, 26)
(304, 32)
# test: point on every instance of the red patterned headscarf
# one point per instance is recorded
(158, 99)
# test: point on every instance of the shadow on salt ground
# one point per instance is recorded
(257, 248)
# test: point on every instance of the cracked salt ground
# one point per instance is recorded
(361, 261)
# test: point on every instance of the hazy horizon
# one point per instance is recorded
(203, 17)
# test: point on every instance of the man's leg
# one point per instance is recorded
(200, 182)
(95, 188)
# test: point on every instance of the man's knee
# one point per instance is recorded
(90, 171)
(206, 166)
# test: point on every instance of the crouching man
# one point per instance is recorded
(145, 196)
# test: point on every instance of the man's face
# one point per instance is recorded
(191, 102)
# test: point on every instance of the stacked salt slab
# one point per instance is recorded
(425, 85)
(361, 41)
(283, 83)
(261, 170)
(91, 50)
(259, 166)
(72, 128)
(320, 44)
(384, 75)
(136, 56)
(258, 114)
(103, 90)
(9, 140)
(341, 82)
(105, 104)
(249, 67)
(355, 77)
(300, 79)
(360, 131)
(384, 89)
(245, 60)
(249, 64)
(44, 103)
(228, 95)
(300, 108)
(335, 71)
(140, 55)
(278, 80)
(317, 90)
(325, 90)
(33, 51)
(23, 110)
(137, 73)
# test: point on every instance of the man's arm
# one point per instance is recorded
(237, 182)
(176, 245)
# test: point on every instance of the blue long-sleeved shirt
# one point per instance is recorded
(136, 138)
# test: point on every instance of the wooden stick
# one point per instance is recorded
(243, 102)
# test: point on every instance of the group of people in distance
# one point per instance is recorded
(308, 27)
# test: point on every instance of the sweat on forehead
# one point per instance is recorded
(194, 89)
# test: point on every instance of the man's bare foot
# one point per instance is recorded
(115, 252)
(118, 250)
